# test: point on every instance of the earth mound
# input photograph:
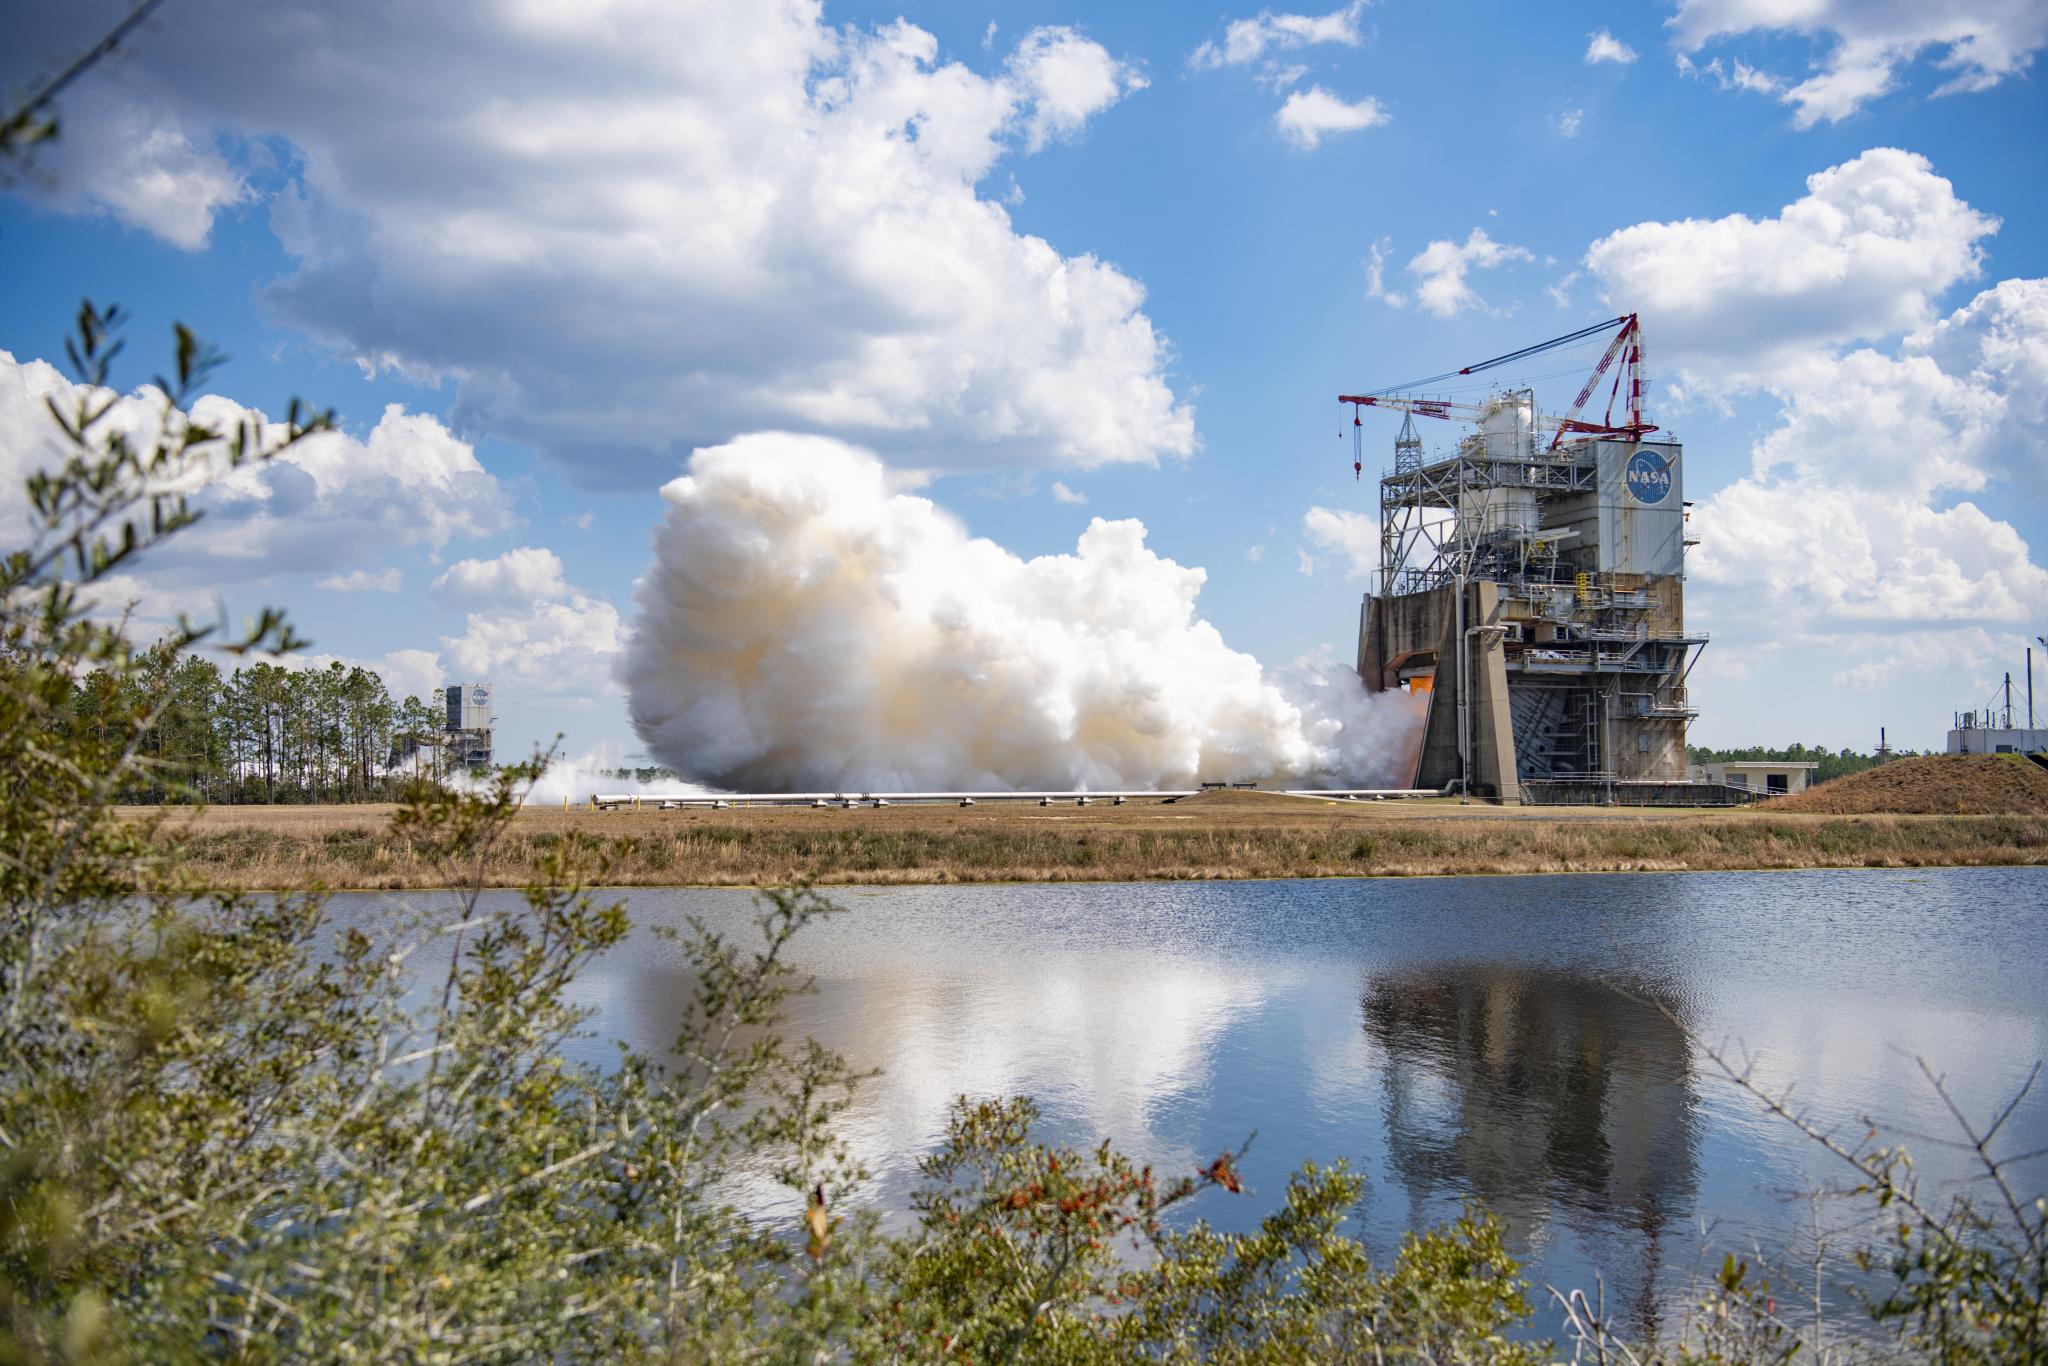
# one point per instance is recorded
(1932, 785)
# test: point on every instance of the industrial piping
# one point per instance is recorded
(727, 800)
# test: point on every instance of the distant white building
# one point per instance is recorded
(1773, 777)
(1971, 735)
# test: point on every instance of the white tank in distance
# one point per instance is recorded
(1507, 431)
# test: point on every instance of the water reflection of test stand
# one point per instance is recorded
(1541, 1093)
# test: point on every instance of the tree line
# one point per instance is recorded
(260, 733)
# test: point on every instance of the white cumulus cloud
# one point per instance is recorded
(1376, 275)
(1441, 268)
(1864, 254)
(1602, 46)
(1867, 43)
(528, 630)
(1876, 500)
(2000, 341)
(1309, 115)
(1062, 494)
(1353, 535)
(620, 230)
(150, 171)
(361, 581)
(1248, 40)
(1068, 80)
(517, 576)
(409, 673)
(327, 504)
(535, 636)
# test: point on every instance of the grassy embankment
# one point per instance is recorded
(1239, 835)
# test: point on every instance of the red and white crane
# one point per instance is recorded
(1626, 390)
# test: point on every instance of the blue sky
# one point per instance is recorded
(583, 272)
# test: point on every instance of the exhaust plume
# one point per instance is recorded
(805, 627)
(578, 778)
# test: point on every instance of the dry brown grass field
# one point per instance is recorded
(1933, 784)
(1218, 835)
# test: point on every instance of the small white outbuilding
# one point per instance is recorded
(1773, 777)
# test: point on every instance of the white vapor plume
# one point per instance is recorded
(805, 627)
(575, 779)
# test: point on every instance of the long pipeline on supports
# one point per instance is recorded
(1367, 793)
(723, 800)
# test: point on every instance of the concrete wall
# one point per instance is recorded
(1649, 748)
(1491, 732)
(1395, 631)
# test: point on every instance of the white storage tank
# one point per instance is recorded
(1508, 427)
(1488, 513)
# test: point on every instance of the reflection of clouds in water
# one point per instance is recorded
(1846, 1059)
(1338, 1068)
(1108, 1044)
(1821, 1036)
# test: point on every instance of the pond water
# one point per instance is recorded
(1454, 1038)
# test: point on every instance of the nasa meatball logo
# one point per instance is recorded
(1647, 477)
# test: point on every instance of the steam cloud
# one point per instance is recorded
(804, 627)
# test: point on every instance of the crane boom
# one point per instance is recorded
(1481, 367)
(1452, 411)
(1445, 408)
(1627, 346)
(1628, 330)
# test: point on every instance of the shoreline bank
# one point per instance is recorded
(350, 848)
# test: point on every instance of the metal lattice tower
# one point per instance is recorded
(1407, 447)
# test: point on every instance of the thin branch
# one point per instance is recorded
(84, 62)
